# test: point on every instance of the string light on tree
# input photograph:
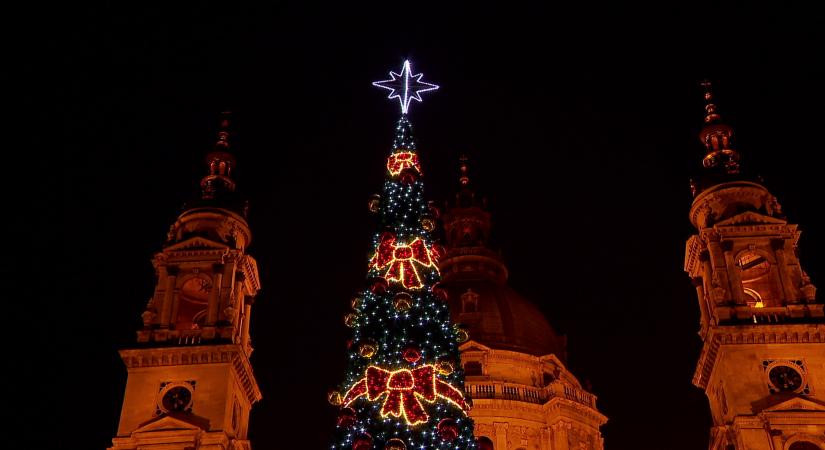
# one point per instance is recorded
(401, 389)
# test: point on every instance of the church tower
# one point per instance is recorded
(524, 397)
(190, 384)
(762, 364)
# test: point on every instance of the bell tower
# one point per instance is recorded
(190, 384)
(762, 364)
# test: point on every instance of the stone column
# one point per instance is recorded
(776, 440)
(247, 316)
(214, 296)
(501, 435)
(786, 285)
(703, 304)
(546, 439)
(168, 296)
(237, 302)
(734, 279)
(560, 431)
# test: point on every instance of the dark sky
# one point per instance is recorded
(581, 124)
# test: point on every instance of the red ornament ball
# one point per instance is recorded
(411, 353)
(436, 213)
(395, 444)
(346, 418)
(447, 429)
(379, 285)
(334, 397)
(362, 442)
(440, 293)
(462, 335)
(402, 302)
(374, 203)
(367, 349)
(444, 367)
(427, 223)
(349, 319)
(408, 176)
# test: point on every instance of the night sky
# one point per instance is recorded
(581, 128)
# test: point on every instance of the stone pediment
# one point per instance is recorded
(173, 423)
(796, 404)
(196, 243)
(473, 346)
(750, 218)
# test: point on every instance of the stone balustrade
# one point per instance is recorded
(529, 394)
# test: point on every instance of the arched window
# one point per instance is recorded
(548, 378)
(484, 443)
(804, 445)
(192, 302)
(472, 368)
(756, 274)
(469, 302)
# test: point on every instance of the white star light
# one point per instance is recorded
(405, 86)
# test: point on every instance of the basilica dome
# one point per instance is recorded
(497, 316)
(475, 278)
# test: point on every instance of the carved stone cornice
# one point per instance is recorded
(718, 336)
(571, 409)
(250, 270)
(203, 354)
(712, 203)
(693, 251)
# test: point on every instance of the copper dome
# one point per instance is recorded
(475, 278)
(497, 316)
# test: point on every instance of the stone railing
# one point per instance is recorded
(508, 391)
(187, 337)
(529, 394)
(573, 393)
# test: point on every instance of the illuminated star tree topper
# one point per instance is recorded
(405, 86)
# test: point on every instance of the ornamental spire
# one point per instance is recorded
(464, 179)
(717, 138)
(220, 162)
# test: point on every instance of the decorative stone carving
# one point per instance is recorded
(229, 313)
(773, 207)
(148, 317)
(717, 292)
(808, 289)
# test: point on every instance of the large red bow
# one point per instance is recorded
(405, 389)
(402, 160)
(398, 260)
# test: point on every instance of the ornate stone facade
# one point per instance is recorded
(524, 398)
(190, 384)
(762, 365)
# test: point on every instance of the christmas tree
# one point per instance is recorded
(404, 387)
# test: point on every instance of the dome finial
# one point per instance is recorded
(223, 133)
(717, 138)
(711, 115)
(464, 179)
(220, 162)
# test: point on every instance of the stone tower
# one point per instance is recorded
(190, 385)
(762, 364)
(524, 398)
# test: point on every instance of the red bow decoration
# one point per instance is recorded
(402, 160)
(399, 260)
(405, 389)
